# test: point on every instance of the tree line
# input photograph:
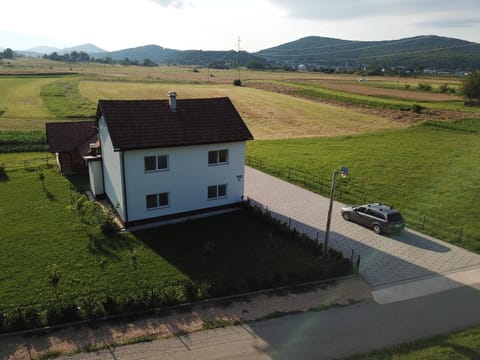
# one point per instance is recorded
(82, 56)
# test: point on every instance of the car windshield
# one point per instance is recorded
(395, 217)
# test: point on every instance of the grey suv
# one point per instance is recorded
(380, 218)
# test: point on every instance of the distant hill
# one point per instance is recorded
(432, 52)
(162, 55)
(154, 53)
(420, 52)
(42, 50)
(86, 48)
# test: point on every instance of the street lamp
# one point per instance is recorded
(344, 172)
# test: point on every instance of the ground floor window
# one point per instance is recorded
(155, 201)
(217, 191)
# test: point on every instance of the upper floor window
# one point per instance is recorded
(218, 157)
(156, 163)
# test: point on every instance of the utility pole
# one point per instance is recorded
(238, 57)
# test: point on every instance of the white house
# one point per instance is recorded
(161, 159)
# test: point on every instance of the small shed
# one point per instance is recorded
(70, 142)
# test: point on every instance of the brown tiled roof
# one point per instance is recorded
(141, 124)
(69, 136)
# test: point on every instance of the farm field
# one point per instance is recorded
(387, 90)
(429, 172)
(268, 115)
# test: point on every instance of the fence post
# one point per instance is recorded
(424, 219)
(358, 263)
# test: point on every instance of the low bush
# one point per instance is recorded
(424, 87)
(237, 82)
(3, 174)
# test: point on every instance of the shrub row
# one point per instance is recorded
(98, 306)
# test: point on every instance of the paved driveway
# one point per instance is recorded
(384, 261)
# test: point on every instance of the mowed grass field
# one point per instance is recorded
(429, 172)
(268, 115)
(20, 98)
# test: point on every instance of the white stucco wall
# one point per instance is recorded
(186, 180)
(96, 176)
(112, 171)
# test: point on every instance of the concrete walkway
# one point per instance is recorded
(386, 262)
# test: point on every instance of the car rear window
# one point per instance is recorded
(395, 217)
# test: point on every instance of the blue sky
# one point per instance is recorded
(217, 25)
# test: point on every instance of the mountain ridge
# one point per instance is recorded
(418, 51)
(423, 51)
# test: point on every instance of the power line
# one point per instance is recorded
(346, 43)
(369, 57)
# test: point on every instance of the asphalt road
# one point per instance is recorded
(328, 334)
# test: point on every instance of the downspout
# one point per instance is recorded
(124, 186)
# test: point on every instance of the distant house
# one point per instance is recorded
(70, 142)
(160, 159)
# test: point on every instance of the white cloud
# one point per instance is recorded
(348, 9)
(170, 3)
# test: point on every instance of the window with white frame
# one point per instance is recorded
(156, 163)
(218, 157)
(155, 201)
(217, 191)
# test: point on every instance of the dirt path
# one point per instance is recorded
(395, 115)
(78, 338)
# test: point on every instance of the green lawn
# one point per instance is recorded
(431, 173)
(458, 345)
(40, 227)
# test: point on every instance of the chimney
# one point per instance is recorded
(172, 101)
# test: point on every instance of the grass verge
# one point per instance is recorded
(463, 344)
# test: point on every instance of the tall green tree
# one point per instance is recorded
(471, 86)
(8, 53)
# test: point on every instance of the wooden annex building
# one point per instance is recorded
(70, 141)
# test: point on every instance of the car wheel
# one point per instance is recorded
(346, 217)
(377, 229)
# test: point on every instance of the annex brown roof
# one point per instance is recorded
(70, 136)
(141, 124)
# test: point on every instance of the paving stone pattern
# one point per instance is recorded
(384, 260)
